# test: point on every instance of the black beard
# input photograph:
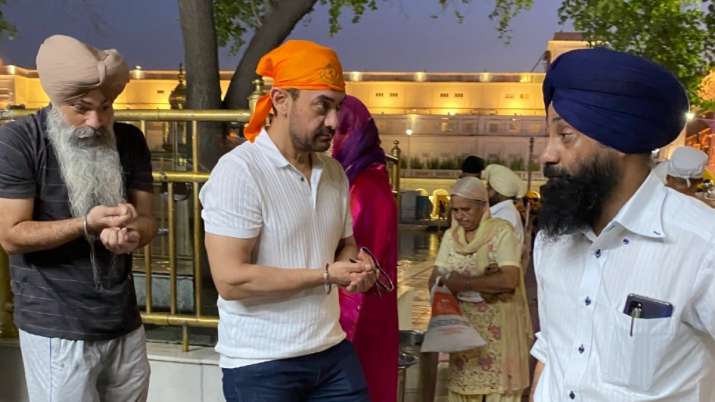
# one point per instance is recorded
(573, 202)
(312, 145)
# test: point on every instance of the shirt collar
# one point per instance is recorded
(269, 148)
(502, 205)
(643, 213)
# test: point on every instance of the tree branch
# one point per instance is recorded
(202, 72)
(283, 16)
(259, 22)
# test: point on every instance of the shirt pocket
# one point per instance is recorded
(631, 360)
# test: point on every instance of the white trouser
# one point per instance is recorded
(60, 370)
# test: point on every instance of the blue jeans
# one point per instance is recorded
(334, 375)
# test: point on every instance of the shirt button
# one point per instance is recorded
(626, 241)
(302, 179)
(581, 349)
(587, 301)
(572, 395)
(598, 253)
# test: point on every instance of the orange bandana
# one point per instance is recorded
(298, 64)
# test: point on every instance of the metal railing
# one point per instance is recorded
(393, 164)
(7, 329)
(169, 178)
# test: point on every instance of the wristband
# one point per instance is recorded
(326, 280)
(85, 228)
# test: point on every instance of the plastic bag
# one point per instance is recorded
(449, 330)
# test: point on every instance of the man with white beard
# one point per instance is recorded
(75, 191)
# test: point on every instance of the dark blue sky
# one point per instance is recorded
(400, 36)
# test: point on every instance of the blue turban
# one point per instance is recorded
(620, 100)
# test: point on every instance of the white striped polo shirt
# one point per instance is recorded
(255, 192)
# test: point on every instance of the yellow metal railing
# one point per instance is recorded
(172, 317)
(170, 178)
(7, 329)
(149, 316)
(393, 163)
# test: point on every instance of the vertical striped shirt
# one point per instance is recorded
(660, 245)
(254, 192)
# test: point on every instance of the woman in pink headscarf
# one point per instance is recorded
(370, 319)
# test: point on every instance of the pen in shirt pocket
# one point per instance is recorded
(642, 307)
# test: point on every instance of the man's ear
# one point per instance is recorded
(281, 101)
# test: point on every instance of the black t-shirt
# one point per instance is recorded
(55, 294)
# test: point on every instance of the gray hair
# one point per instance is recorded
(89, 163)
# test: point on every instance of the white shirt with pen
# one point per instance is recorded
(661, 245)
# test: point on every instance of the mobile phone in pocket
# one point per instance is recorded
(647, 307)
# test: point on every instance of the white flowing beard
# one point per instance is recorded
(89, 163)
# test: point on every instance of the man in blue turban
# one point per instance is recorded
(625, 266)
(620, 100)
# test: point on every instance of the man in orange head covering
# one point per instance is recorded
(75, 191)
(297, 64)
(279, 238)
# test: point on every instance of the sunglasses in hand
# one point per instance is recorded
(383, 284)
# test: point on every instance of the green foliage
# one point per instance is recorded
(517, 164)
(455, 163)
(234, 18)
(494, 159)
(336, 7)
(504, 11)
(433, 163)
(679, 34)
(416, 163)
(452, 163)
(6, 28)
(534, 166)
